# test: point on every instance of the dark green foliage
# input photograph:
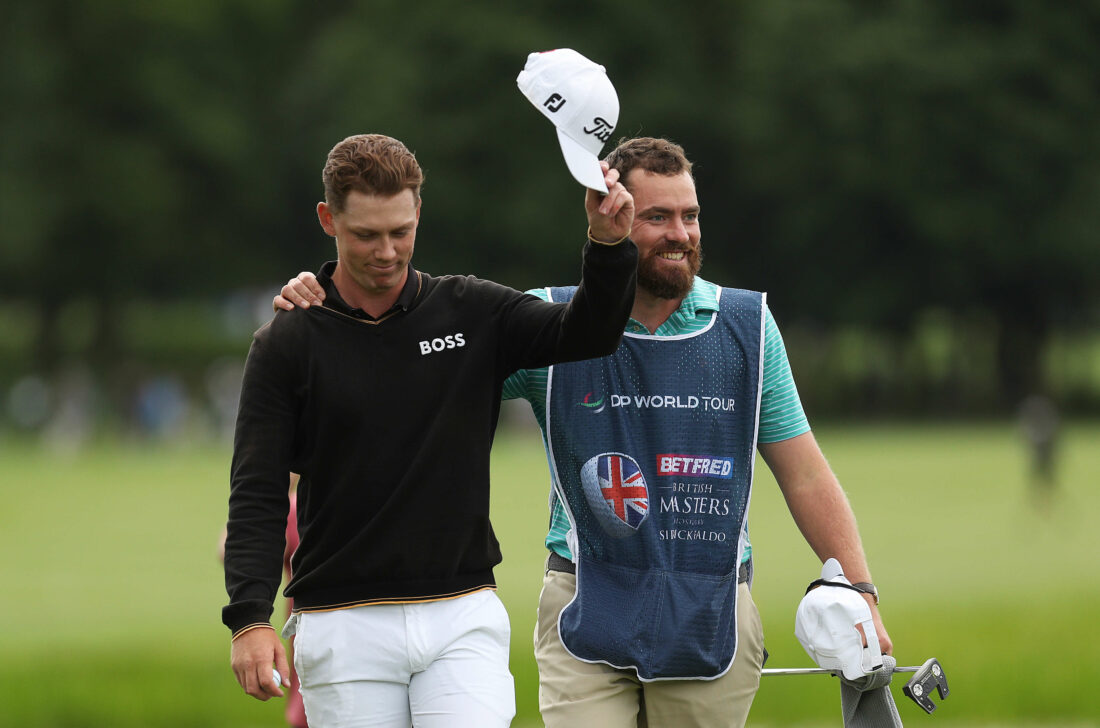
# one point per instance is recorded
(863, 162)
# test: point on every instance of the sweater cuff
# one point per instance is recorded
(610, 253)
(249, 628)
(242, 616)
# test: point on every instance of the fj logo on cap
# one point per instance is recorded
(554, 103)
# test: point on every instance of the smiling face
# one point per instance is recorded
(666, 231)
(375, 236)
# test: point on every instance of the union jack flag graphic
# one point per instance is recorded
(624, 489)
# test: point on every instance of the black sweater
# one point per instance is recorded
(390, 424)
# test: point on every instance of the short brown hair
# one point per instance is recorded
(373, 164)
(659, 156)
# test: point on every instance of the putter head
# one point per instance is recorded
(919, 688)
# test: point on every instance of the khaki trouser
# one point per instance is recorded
(576, 694)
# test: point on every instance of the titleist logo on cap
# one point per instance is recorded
(601, 129)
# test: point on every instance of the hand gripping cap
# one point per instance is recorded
(826, 622)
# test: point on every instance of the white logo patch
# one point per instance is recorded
(450, 341)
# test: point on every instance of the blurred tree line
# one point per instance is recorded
(915, 184)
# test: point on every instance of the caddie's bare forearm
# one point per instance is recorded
(254, 653)
(821, 511)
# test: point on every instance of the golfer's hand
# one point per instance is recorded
(609, 216)
(303, 290)
(254, 654)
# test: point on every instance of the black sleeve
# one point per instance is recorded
(538, 333)
(259, 482)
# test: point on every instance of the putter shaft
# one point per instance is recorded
(818, 670)
(929, 678)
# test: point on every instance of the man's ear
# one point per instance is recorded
(324, 216)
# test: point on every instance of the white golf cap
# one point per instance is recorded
(826, 622)
(575, 94)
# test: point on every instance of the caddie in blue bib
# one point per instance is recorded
(653, 450)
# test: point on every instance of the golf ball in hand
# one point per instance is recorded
(276, 677)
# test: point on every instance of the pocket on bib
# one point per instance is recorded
(664, 624)
(612, 614)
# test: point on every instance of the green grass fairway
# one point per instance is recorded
(112, 587)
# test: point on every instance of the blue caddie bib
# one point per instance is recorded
(653, 450)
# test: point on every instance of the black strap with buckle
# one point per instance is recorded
(557, 562)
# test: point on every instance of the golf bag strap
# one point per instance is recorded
(556, 562)
(824, 582)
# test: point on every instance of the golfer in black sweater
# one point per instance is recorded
(385, 400)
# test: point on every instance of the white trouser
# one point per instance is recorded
(441, 664)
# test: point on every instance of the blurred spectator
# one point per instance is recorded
(73, 417)
(223, 390)
(162, 406)
(30, 402)
(1040, 425)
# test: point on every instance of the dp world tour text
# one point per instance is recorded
(671, 401)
